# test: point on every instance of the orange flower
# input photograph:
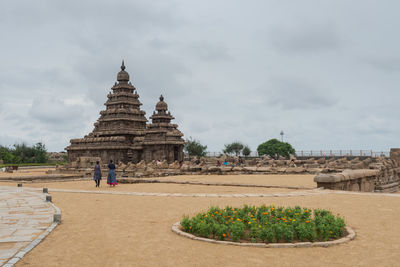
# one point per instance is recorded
(223, 235)
(307, 221)
(265, 213)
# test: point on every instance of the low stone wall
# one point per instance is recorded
(349, 180)
(382, 176)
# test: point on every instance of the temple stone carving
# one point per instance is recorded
(122, 133)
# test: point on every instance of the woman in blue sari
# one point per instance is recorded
(97, 174)
(111, 178)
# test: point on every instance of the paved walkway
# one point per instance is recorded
(24, 216)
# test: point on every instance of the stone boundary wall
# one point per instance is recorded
(350, 236)
(213, 165)
(383, 176)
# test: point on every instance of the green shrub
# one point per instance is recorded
(237, 230)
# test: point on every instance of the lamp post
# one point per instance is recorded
(282, 133)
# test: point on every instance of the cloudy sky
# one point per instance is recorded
(327, 73)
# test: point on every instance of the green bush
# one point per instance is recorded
(275, 148)
(193, 147)
(265, 224)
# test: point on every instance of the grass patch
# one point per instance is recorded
(267, 224)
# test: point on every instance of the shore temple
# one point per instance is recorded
(122, 133)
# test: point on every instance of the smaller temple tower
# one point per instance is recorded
(163, 141)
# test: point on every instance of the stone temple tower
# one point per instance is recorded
(121, 132)
(163, 141)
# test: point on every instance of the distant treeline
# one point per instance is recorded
(22, 153)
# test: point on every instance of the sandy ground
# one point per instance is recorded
(305, 180)
(155, 188)
(25, 172)
(125, 230)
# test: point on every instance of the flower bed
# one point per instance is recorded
(268, 224)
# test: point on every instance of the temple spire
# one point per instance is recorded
(123, 65)
(161, 98)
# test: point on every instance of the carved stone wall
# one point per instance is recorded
(383, 176)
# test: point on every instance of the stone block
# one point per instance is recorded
(329, 178)
(251, 169)
(263, 169)
(57, 218)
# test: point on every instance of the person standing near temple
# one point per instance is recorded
(97, 174)
(111, 178)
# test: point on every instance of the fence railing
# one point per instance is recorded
(324, 153)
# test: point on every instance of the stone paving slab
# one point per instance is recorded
(24, 216)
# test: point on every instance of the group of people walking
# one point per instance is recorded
(111, 177)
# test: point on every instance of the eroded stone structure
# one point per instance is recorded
(381, 176)
(122, 133)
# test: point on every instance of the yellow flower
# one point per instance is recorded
(294, 220)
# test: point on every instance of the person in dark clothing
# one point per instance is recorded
(97, 174)
(111, 178)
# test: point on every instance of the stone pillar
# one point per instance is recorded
(395, 154)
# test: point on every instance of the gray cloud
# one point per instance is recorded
(391, 64)
(290, 93)
(304, 37)
(324, 72)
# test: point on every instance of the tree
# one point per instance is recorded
(6, 155)
(40, 153)
(22, 153)
(193, 147)
(275, 148)
(235, 147)
(246, 151)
